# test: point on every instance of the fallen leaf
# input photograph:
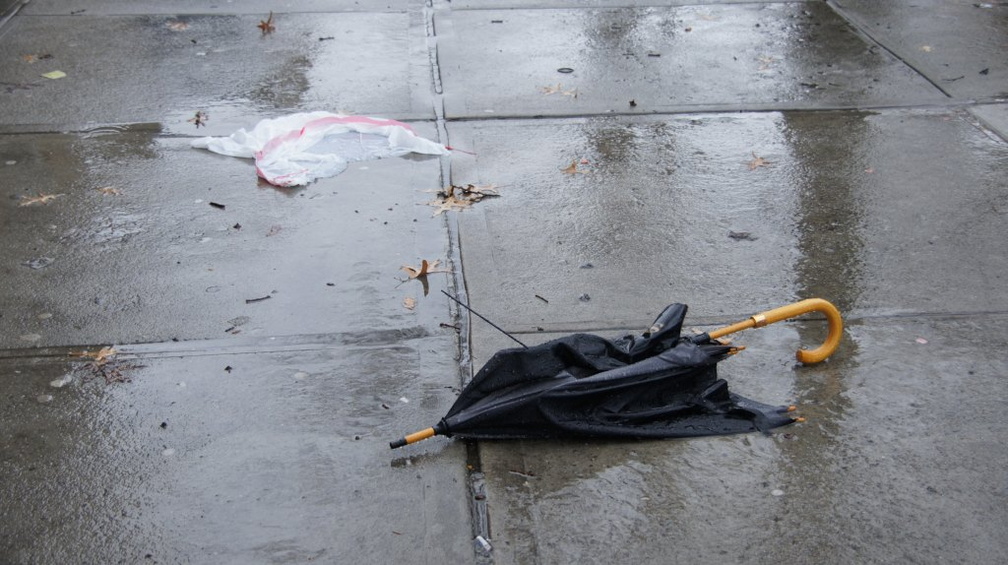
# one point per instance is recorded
(267, 25)
(104, 364)
(572, 169)
(109, 191)
(177, 26)
(53, 75)
(758, 162)
(558, 89)
(100, 357)
(409, 303)
(454, 197)
(40, 199)
(424, 270)
(32, 58)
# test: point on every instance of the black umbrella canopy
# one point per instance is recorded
(658, 385)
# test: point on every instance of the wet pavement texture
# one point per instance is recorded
(735, 156)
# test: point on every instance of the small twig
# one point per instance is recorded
(260, 299)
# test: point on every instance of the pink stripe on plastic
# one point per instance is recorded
(330, 120)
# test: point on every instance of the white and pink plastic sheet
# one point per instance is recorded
(297, 149)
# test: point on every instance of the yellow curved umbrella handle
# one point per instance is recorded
(806, 356)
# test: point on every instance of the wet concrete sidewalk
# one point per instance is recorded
(735, 156)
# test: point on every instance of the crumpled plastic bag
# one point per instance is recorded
(297, 149)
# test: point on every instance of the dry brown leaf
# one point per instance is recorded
(572, 169)
(40, 199)
(424, 270)
(558, 89)
(100, 357)
(455, 197)
(758, 162)
(267, 25)
(409, 303)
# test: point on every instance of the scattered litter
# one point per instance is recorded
(921, 341)
(38, 262)
(584, 297)
(260, 299)
(404, 400)
(297, 149)
(742, 235)
(925, 48)
(177, 25)
(483, 544)
(218, 205)
(104, 364)
(777, 492)
(455, 197)
(53, 75)
(200, 119)
(61, 382)
(266, 26)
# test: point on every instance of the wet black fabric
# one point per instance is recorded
(656, 385)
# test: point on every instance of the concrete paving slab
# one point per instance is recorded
(880, 213)
(150, 259)
(143, 7)
(993, 116)
(138, 69)
(506, 63)
(277, 453)
(960, 46)
(899, 460)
